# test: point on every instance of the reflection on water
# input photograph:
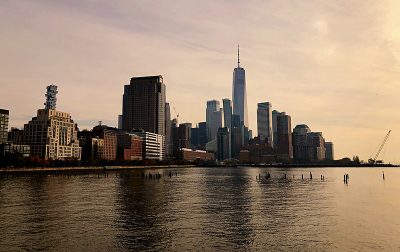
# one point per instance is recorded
(203, 209)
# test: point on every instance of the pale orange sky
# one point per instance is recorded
(333, 65)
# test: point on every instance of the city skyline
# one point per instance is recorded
(322, 82)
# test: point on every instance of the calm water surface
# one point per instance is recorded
(203, 209)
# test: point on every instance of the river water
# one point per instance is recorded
(204, 209)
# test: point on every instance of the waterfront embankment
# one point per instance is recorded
(80, 170)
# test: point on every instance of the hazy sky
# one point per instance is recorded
(333, 65)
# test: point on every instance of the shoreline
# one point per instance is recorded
(77, 170)
(83, 169)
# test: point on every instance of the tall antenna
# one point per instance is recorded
(238, 57)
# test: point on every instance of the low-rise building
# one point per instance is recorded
(92, 147)
(195, 155)
(4, 119)
(109, 136)
(129, 146)
(153, 145)
(20, 149)
(16, 136)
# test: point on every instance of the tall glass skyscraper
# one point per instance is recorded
(239, 95)
(143, 105)
(264, 122)
(213, 119)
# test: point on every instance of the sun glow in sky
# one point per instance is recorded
(333, 65)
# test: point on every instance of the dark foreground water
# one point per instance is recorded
(203, 209)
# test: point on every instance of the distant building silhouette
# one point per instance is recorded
(202, 134)
(264, 123)
(300, 149)
(4, 120)
(284, 135)
(223, 145)
(275, 115)
(168, 138)
(329, 151)
(316, 146)
(213, 119)
(307, 146)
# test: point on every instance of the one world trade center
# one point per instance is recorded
(239, 95)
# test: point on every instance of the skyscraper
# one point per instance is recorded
(144, 105)
(239, 95)
(300, 149)
(264, 122)
(202, 133)
(316, 146)
(168, 139)
(275, 115)
(4, 117)
(119, 121)
(329, 151)
(227, 106)
(284, 133)
(223, 145)
(213, 119)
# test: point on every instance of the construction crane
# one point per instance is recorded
(177, 115)
(374, 160)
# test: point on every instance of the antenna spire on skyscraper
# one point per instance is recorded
(238, 57)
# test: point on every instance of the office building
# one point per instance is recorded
(329, 151)
(188, 128)
(236, 142)
(16, 136)
(316, 146)
(119, 121)
(284, 134)
(300, 149)
(239, 95)
(23, 150)
(168, 139)
(264, 123)
(227, 107)
(308, 146)
(181, 137)
(195, 155)
(144, 105)
(109, 136)
(4, 119)
(129, 146)
(213, 119)
(92, 147)
(153, 145)
(194, 140)
(223, 145)
(202, 134)
(275, 115)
